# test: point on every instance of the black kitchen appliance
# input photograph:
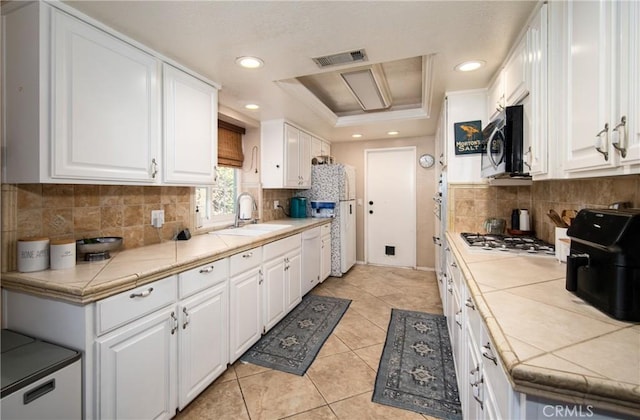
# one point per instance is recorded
(502, 152)
(603, 267)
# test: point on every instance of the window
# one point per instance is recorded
(216, 204)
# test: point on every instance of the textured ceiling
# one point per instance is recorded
(207, 36)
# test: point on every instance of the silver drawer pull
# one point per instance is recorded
(487, 353)
(453, 264)
(469, 304)
(141, 294)
(186, 318)
(174, 320)
(206, 270)
(247, 255)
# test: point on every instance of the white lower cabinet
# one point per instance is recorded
(245, 302)
(281, 269)
(137, 369)
(203, 349)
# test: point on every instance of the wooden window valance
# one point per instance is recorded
(230, 145)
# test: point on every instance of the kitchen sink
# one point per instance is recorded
(251, 229)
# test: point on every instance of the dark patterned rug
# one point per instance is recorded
(293, 344)
(416, 371)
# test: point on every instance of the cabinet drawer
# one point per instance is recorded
(282, 246)
(120, 309)
(325, 229)
(245, 261)
(200, 278)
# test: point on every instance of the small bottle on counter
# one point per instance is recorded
(524, 220)
(515, 219)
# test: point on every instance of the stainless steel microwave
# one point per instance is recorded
(502, 145)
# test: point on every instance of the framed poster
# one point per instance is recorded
(468, 137)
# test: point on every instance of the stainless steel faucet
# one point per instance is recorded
(254, 207)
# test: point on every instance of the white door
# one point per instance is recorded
(245, 312)
(293, 279)
(390, 206)
(275, 291)
(190, 128)
(107, 113)
(203, 349)
(137, 369)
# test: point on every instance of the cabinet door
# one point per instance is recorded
(106, 107)
(325, 257)
(203, 347)
(537, 156)
(137, 375)
(293, 268)
(291, 156)
(316, 147)
(245, 312)
(325, 149)
(304, 158)
(629, 87)
(515, 85)
(589, 84)
(190, 128)
(275, 291)
(495, 97)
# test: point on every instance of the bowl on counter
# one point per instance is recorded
(97, 249)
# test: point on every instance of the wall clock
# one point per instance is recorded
(426, 160)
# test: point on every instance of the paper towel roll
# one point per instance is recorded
(246, 208)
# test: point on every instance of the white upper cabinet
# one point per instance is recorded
(84, 105)
(514, 75)
(629, 87)
(602, 72)
(285, 155)
(537, 151)
(190, 128)
(495, 97)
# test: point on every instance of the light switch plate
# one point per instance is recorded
(157, 218)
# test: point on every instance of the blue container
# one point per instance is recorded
(298, 207)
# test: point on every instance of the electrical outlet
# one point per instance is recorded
(276, 203)
(157, 218)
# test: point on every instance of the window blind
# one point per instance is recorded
(230, 145)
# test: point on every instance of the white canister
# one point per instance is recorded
(63, 254)
(525, 222)
(33, 254)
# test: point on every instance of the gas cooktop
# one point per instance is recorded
(509, 244)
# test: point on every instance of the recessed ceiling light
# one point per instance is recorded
(252, 106)
(356, 136)
(250, 62)
(393, 133)
(470, 65)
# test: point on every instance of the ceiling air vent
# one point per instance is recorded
(341, 58)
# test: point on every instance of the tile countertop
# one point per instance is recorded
(125, 270)
(551, 342)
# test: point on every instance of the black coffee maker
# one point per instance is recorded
(603, 267)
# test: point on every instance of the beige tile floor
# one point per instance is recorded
(339, 383)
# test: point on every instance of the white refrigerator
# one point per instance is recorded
(337, 183)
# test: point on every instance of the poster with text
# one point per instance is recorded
(468, 137)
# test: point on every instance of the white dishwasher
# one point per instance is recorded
(40, 380)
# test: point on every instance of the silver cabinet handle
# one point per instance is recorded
(600, 145)
(450, 286)
(454, 265)
(215, 173)
(154, 168)
(261, 276)
(247, 255)
(175, 323)
(141, 294)
(488, 353)
(186, 318)
(457, 317)
(469, 304)
(619, 137)
(206, 270)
